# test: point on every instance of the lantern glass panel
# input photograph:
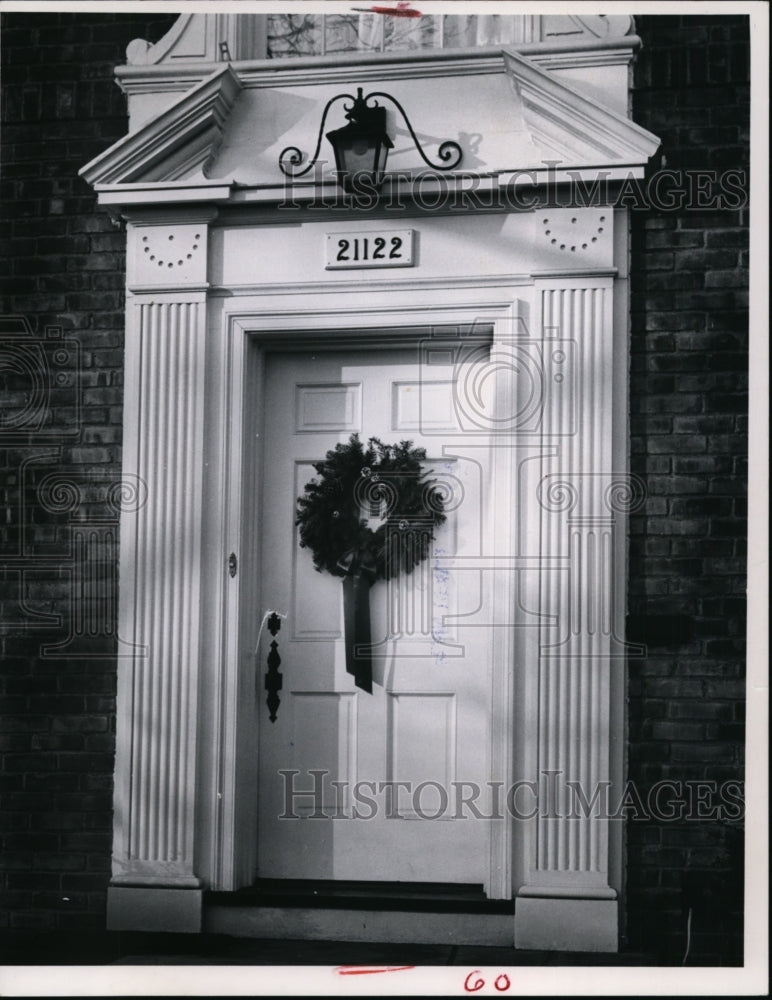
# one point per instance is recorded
(358, 157)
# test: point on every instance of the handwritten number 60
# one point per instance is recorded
(500, 983)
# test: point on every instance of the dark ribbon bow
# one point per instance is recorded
(360, 572)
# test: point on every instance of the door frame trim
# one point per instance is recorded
(228, 821)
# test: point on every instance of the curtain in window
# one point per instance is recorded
(316, 34)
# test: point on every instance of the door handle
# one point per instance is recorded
(273, 679)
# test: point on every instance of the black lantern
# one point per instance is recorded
(361, 147)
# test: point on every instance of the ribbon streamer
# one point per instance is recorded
(360, 570)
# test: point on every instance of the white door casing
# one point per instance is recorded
(251, 336)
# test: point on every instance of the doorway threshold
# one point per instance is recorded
(420, 897)
(382, 912)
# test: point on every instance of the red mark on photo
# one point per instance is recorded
(401, 10)
(366, 970)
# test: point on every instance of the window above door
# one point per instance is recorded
(306, 34)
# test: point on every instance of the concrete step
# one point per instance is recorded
(375, 912)
(346, 924)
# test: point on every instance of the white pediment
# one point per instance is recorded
(507, 114)
(179, 141)
(562, 119)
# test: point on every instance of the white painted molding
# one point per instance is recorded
(203, 38)
(119, 199)
(578, 645)
(575, 127)
(171, 256)
(556, 59)
(599, 69)
(183, 137)
(160, 594)
(412, 64)
(142, 53)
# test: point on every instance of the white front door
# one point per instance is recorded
(393, 785)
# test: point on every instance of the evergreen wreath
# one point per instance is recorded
(351, 477)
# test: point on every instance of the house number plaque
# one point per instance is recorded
(386, 248)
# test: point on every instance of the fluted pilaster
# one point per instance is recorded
(571, 848)
(160, 595)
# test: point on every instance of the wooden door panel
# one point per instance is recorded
(427, 721)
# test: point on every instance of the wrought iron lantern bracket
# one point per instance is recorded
(358, 113)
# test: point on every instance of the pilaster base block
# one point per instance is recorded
(134, 908)
(551, 924)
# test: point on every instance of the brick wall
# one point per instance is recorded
(61, 353)
(689, 384)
